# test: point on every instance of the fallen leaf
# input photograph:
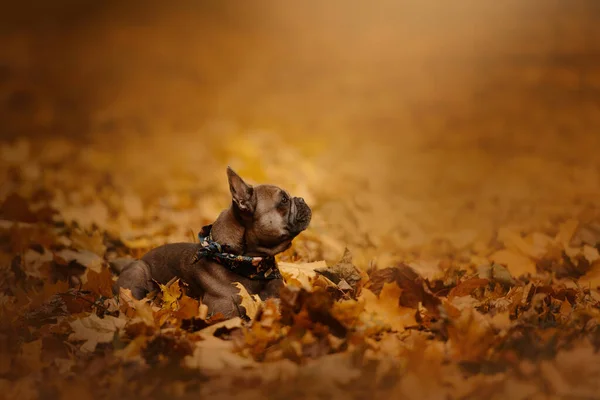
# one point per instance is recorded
(516, 263)
(84, 258)
(468, 286)
(170, 294)
(31, 355)
(93, 330)
(301, 272)
(386, 307)
(566, 231)
(214, 354)
(100, 283)
(495, 272)
(344, 271)
(251, 303)
(93, 241)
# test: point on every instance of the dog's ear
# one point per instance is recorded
(241, 192)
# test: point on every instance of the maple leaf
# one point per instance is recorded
(190, 308)
(470, 335)
(93, 330)
(251, 303)
(303, 273)
(517, 263)
(170, 294)
(386, 308)
(138, 310)
(84, 258)
(100, 283)
(89, 241)
(344, 273)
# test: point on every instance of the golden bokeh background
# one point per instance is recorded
(407, 124)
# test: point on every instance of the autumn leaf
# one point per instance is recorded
(137, 310)
(84, 258)
(470, 336)
(386, 308)
(93, 241)
(303, 273)
(100, 283)
(251, 303)
(31, 355)
(190, 308)
(93, 330)
(170, 294)
(344, 274)
(516, 263)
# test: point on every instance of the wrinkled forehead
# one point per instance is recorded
(264, 193)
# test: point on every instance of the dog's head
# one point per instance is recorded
(270, 215)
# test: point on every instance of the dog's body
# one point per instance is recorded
(261, 222)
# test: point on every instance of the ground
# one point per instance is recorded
(453, 251)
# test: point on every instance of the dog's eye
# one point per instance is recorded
(284, 199)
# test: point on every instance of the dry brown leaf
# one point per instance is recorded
(99, 283)
(31, 355)
(466, 287)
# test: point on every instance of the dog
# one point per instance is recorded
(239, 246)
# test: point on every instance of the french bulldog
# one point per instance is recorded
(239, 246)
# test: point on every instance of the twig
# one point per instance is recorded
(93, 303)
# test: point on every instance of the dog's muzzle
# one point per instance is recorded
(300, 216)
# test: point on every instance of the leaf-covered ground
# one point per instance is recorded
(449, 153)
(391, 292)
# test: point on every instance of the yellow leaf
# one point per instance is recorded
(514, 242)
(386, 308)
(250, 303)
(302, 273)
(592, 277)
(516, 263)
(143, 310)
(566, 232)
(591, 254)
(89, 241)
(170, 294)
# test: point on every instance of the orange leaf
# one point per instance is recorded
(99, 283)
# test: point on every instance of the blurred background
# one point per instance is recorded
(412, 126)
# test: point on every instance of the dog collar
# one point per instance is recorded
(255, 268)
